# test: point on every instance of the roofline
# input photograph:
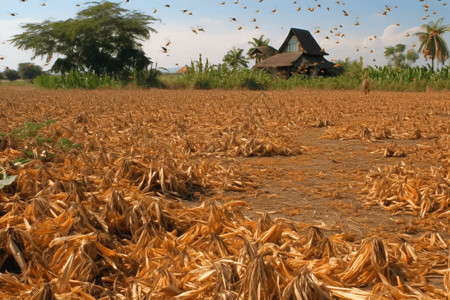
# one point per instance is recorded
(291, 32)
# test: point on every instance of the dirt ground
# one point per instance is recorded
(345, 163)
(320, 186)
(323, 188)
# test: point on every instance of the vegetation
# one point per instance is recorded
(75, 79)
(257, 42)
(398, 58)
(11, 75)
(432, 44)
(203, 75)
(103, 39)
(29, 129)
(29, 71)
(67, 145)
(235, 59)
(147, 78)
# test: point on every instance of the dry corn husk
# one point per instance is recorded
(108, 220)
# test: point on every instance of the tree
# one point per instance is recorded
(432, 45)
(2, 76)
(396, 56)
(11, 75)
(103, 38)
(29, 70)
(257, 42)
(235, 59)
(412, 56)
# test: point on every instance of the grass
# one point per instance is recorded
(204, 76)
(30, 129)
(349, 76)
(27, 130)
(19, 82)
(77, 79)
(67, 145)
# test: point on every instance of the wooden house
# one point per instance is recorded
(299, 54)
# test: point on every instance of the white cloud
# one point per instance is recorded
(393, 35)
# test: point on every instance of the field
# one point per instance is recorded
(213, 194)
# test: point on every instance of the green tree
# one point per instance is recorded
(29, 70)
(2, 76)
(432, 45)
(11, 75)
(258, 42)
(398, 58)
(412, 56)
(103, 38)
(235, 59)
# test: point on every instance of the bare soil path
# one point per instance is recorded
(321, 187)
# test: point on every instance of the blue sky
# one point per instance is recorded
(274, 18)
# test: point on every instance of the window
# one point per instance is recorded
(292, 45)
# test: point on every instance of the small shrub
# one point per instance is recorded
(252, 84)
(67, 145)
(148, 78)
(28, 129)
(41, 140)
(202, 84)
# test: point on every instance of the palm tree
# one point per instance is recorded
(234, 58)
(257, 42)
(432, 45)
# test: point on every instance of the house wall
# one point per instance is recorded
(292, 46)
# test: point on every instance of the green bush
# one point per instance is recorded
(148, 78)
(75, 79)
(11, 75)
(252, 84)
(202, 84)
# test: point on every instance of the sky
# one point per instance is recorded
(345, 29)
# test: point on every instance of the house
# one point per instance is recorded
(262, 52)
(182, 70)
(299, 54)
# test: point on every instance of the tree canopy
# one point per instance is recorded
(11, 75)
(103, 38)
(396, 56)
(432, 44)
(29, 70)
(234, 58)
(257, 42)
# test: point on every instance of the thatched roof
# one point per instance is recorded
(314, 60)
(294, 59)
(279, 60)
(182, 70)
(263, 51)
(306, 40)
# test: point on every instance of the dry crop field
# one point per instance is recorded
(175, 194)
